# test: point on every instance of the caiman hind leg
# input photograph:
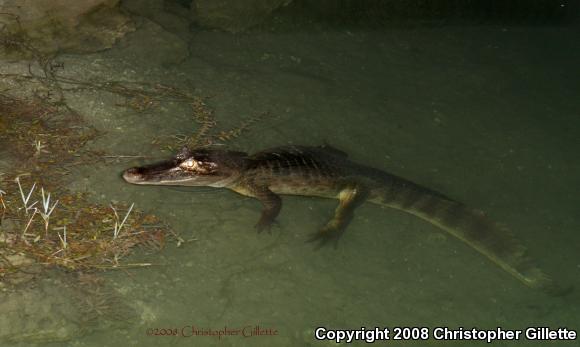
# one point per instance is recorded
(349, 199)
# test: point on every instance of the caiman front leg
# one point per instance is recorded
(271, 202)
(271, 206)
(349, 199)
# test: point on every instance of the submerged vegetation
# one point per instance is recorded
(43, 223)
(205, 118)
(40, 219)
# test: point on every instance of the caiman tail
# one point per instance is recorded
(491, 239)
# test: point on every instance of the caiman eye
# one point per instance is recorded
(199, 167)
(189, 164)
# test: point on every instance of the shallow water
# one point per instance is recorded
(488, 115)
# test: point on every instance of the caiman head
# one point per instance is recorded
(199, 167)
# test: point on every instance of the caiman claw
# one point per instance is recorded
(330, 233)
(265, 225)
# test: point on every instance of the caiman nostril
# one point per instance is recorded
(131, 174)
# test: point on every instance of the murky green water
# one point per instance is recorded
(488, 115)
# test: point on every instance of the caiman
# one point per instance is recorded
(327, 172)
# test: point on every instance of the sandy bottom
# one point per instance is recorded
(487, 115)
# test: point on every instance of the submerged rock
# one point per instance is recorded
(170, 16)
(53, 26)
(151, 44)
(233, 15)
(62, 307)
(42, 313)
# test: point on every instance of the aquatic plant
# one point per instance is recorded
(140, 96)
(72, 232)
(207, 133)
(2, 193)
(80, 240)
(118, 226)
(68, 231)
(99, 302)
(27, 206)
(46, 209)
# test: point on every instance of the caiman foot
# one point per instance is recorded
(265, 225)
(271, 207)
(349, 198)
(330, 233)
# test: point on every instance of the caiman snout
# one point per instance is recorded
(133, 175)
(199, 168)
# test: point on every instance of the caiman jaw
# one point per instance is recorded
(169, 177)
(133, 175)
(162, 173)
(213, 168)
